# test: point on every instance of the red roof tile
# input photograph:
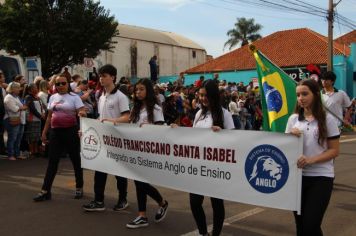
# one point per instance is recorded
(288, 48)
(347, 39)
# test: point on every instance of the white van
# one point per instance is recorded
(13, 65)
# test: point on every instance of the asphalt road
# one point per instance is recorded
(20, 216)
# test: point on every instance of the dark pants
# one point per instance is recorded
(316, 193)
(144, 189)
(237, 122)
(100, 182)
(60, 138)
(196, 202)
(2, 129)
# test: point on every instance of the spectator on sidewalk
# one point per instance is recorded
(14, 120)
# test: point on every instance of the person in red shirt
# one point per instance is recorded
(199, 83)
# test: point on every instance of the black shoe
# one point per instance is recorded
(121, 205)
(94, 206)
(161, 213)
(139, 222)
(42, 196)
(78, 193)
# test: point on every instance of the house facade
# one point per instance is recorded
(292, 50)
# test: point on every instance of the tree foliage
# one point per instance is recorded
(60, 32)
(245, 31)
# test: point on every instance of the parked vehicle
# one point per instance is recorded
(13, 65)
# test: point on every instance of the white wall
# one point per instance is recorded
(171, 59)
(121, 57)
(145, 50)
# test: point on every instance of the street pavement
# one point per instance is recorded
(22, 179)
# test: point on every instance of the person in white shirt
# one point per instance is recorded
(113, 106)
(64, 107)
(320, 148)
(14, 110)
(234, 110)
(146, 111)
(211, 115)
(75, 80)
(43, 92)
(335, 100)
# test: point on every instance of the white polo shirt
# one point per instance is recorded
(311, 146)
(336, 102)
(157, 115)
(112, 105)
(207, 121)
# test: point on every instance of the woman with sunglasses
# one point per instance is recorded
(63, 109)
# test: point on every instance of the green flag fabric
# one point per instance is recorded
(277, 91)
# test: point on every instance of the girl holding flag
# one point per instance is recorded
(320, 147)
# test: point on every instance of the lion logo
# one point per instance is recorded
(266, 168)
(266, 164)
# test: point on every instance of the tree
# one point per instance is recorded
(245, 31)
(60, 32)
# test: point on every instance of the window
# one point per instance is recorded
(10, 67)
(194, 54)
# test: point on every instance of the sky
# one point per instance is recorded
(206, 22)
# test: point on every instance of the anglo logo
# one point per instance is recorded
(91, 144)
(266, 168)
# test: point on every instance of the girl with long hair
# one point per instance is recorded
(146, 111)
(211, 115)
(320, 148)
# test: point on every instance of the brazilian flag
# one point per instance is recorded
(277, 91)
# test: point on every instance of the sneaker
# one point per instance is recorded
(121, 205)
(94, 206)
(161, 213)
(42, 196)
(139, 222)
(78, 193)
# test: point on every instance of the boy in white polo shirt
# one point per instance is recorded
(113, 106)
(335, 100)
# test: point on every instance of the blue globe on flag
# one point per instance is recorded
(273, 98)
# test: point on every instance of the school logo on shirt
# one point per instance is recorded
(266, 168)
(91, 144)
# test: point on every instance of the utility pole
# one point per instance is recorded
(330, 18)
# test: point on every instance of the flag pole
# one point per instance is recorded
(255, 52)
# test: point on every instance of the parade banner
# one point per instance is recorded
(253, 167)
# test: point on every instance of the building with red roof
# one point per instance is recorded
(347, 39)
(292, 50)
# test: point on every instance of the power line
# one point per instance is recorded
(279, 6)
(307, 8)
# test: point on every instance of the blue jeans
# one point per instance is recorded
(237, 122)
(14, 136)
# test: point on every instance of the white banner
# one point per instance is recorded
(253, 167)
